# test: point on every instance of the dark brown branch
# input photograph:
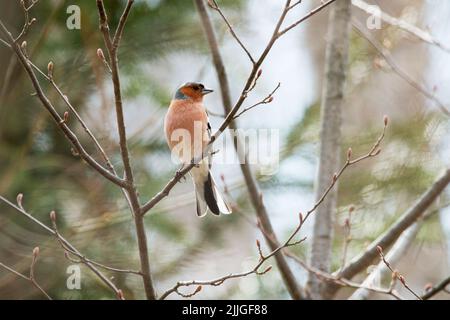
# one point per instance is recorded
(436, 289)
(112, 47)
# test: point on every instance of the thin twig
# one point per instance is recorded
(213, 5)
(310, 14)
(27, 22)
(387, 56)
(266, 100)
(69, 134)
(396, 274)
(436, 289)
(31, 277)
(402, 24)
(102, 277)
(83, 259)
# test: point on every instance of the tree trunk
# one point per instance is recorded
(336, 64)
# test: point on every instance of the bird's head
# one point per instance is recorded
(191, 91)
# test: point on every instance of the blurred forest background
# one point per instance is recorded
(164, 46)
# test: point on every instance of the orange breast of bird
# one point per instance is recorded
(185, 127)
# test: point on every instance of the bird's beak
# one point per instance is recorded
(205, 91)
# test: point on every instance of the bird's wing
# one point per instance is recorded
(208, 124)
(209, 130)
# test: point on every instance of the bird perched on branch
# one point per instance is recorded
(188, 133)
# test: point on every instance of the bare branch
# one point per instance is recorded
(402, 24)
(341, 282)
(387, 56)
(27, 22)
(394, 255)
(213, 5)
(31, 277)
(436, 289)
(82, 259)
(112, 47)
(266, 100)
(99, 274)
(396, 274)
(310, 14)
(70, 135)
(386, 239)
(83, 125)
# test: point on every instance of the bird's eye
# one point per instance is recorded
(196, 87)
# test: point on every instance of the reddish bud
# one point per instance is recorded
(334, 177)
(120, 294)
(349, 153)
(212, 4)
(24, 45)
(199, 288)
(100, 54)
(428, 287)
(259, 73)
(385, 120)
(347, 222)
(377, 152)
(267, 269)
(258, 244)
(34, 20)
(300, 217)
(66, 116)
(270, 99)
(380, 250)
(351, 209)
(402, 279)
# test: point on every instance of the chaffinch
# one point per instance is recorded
(188, 132)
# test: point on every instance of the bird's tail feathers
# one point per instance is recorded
(209, 196)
